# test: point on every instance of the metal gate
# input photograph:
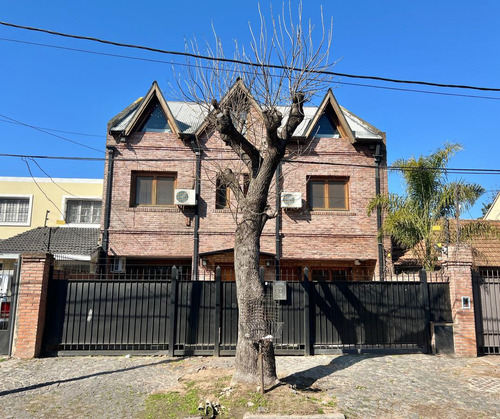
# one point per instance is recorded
(8, 298)
(487, 310)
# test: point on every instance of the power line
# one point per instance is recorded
(246, 63)
(50, 133)
(54, 130)
(233, 70)
(325, 163)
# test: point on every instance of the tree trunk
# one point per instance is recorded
(251, 300)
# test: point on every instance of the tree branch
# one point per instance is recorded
(231, 180)
(245, 150)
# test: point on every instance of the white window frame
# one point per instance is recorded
(30, 210)
(67, 198)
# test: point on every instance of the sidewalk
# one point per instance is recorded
(364, 386)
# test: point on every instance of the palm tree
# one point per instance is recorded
(416, 219)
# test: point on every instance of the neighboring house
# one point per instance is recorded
(324, 225)
(70, 246)
(494, 211)
(485, 252)
(27, 202)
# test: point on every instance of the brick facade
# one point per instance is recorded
(31, 306)
(459, 269)
(334, 237)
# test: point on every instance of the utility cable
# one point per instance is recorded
(246, 63)
(50, 133)
(173, 63)
(449, 170)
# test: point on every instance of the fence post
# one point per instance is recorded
(172, 311)
(307, 313)
(218, 297)
(262, 274)
(427, 309)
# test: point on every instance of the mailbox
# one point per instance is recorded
(279, 291)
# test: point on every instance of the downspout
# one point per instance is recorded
(278, 221)
(107, 208)
(381, 263)
(196, 234)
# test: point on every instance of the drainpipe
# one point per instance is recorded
(196, 235)
(107, 209)
(378, 157)
(278, 221)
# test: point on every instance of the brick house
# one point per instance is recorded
(156, 147)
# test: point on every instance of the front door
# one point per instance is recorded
(7, 303)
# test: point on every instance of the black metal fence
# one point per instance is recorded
(486, 287)
(179, 317)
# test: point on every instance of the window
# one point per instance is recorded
(332, 274)
(83, 211)
(15, 210)
(328, 194)
(153, 189)
(222, 194)
(155, 120)
(326, 128)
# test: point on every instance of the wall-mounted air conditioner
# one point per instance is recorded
(185, 197)
(291, 199)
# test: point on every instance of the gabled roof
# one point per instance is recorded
(237, 86)
(128, 123)
(343, 126)
(191, 118)
(494, 210)
(63, 240)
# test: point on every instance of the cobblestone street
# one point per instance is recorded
(364, 386)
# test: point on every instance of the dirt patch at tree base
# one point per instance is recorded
(209, 389)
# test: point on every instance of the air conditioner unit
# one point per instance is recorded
(291, 199)
(185, 197)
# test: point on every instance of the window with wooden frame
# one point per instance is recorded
(153, 189)
(331, 274)
(328, 194)
(222, 195)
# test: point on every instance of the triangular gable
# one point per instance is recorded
(153, 93)
(339, 117)
(238, 85)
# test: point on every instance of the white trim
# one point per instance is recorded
(67, 198)
(9, 255)
(30, 209)
(44, 179)
(72, 257)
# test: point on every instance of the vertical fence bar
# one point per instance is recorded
(426, 306)
(172, 312)
(217, 318)
(307, 313)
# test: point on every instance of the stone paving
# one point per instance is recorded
(365, 386)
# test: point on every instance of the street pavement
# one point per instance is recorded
(364, 386)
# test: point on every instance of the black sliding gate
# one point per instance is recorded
(200, 317)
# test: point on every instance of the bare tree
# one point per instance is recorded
(255, 105)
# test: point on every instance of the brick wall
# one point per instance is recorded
(168, 232)
(459, 269)
(31, 306)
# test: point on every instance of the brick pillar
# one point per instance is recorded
(459, 269)
(32, 299)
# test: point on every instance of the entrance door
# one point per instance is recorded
(7, 304)
(487, 310)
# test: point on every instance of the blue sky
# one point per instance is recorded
(454, 42)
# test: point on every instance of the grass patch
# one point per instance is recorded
(214, 385)
(174, 404)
